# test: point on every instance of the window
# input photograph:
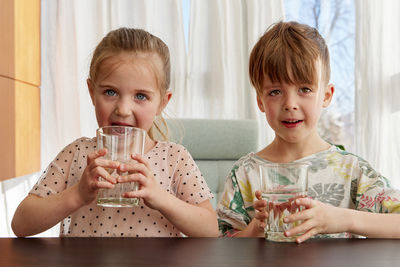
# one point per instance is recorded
(335, 20)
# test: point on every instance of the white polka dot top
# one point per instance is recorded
(172, 166)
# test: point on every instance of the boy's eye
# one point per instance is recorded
(141, 97)
(274, 92)
(305, 90)
(110, 92)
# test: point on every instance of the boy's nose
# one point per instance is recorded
(290, 103)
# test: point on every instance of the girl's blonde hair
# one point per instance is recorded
(289, 46)
(140, 42)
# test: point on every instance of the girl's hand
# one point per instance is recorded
(149, 190)
(89, 183)
(261, 213)
(318, 218)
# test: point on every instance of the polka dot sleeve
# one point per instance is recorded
(55, 178)
(190, 184)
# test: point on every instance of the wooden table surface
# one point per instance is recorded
(197, 252)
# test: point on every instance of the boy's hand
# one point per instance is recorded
(149, 189)
(261, 213)
(318, 218)
(89, 183)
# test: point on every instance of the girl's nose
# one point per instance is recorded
(123, 108)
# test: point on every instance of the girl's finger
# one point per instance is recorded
(135, 167)
(141, 159)
(136, 177)
(135, 194)
(103, 173)
(96, 154)
(105, 163)
(102, 184)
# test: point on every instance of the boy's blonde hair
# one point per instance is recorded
(139, 42)
(288, 52)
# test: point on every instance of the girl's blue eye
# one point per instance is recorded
(274, 92)
(110, 92)
(141, 97)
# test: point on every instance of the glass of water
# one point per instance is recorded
(281, 185)
(121, 142)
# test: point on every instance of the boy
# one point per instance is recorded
(289, 68)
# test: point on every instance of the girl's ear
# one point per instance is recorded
(91, 88)
(328, 95)
(164, 101)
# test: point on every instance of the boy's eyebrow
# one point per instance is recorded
(271, 85)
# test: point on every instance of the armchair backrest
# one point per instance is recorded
(215, 145)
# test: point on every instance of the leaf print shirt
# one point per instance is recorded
(335, 177)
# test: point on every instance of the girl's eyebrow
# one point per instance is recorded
(137, 90)
(105, 85)
(147, 91)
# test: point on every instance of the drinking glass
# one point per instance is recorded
(121, 142)
(281, 185)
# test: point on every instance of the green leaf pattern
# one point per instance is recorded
(331, 193)
(335, 177)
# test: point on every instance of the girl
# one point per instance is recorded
(128, 84)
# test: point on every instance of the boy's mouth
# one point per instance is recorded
(291, 123)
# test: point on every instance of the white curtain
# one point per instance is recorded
(378, 85)
(70, 32)
(222, 34)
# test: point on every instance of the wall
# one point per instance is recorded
(19, 87)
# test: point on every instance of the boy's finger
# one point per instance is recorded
(258, 194)
(260, 204)
(299, 216)
(299, 229)
(306, 202)
(312, 232)
(261, 215)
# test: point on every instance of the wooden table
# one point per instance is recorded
(197, 252)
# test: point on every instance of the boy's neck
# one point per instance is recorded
(282, 152)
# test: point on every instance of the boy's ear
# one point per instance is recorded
(164, 101)
(91, 88)
(260, 104)
(328, 95)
